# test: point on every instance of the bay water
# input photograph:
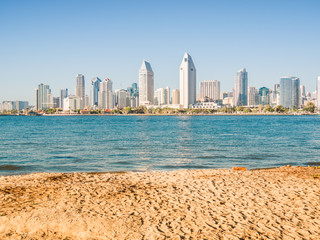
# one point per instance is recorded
(145, 143)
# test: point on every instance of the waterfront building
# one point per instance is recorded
(120, 98)
(80, 88)
(72, 103)
(253, 96)
(63, 95)
(188, 82)
(13, 105)
(21, 105)
(175, 96)
(146, 84)
(105, 94)
(55, 102)
(210, 89)
(157, 96)
(264, 98)
(43, 97)
(240, 96)
(94, 91)
(275, 100)
(290, 92)
(207, 105)
(302, 95)
(162, 96)
(318, 93)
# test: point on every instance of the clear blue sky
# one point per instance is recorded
(52, 41)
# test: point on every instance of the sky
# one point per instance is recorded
(52, 41)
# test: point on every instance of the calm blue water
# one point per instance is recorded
(142, 143)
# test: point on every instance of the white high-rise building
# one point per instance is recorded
(94, 91)
(146, 84)
(318, 93)
(210, 89)
(80, 89)
(240, 96)
(188, 82)
(162, 96)
(43, 97)
(105, 94)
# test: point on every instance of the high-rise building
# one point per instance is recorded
(253, 96)
(175, 96)
(72, 103)
(210, 89)
(276, 100)
(302, 95)
(63, 95)
(264, 98)
(162, 96)
(290, 92)
(188, 82)
(94, 91)
(106, 94)
(43, 97)
(146, 84)
(55, 102)
(241, 88)
(80, 88)
(318, 93)
(120, 98)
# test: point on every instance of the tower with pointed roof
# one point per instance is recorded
(188, 82)
(146, 84)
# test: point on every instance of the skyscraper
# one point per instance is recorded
(290, 92)
(43, 97)
(121, 98)
(253, 96)
(94, 91)
(63, 95)
(188, 81)
(210, 89)
(162, 96)
(146, 84)
(264, 98)
(241, 88)
(80, 88)
(106, 94)
(175, 96)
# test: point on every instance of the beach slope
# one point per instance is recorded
(280, 203)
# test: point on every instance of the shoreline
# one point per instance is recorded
(275, 203)
(157, 171)
(195, 114)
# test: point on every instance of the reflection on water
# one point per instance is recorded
(140, 143)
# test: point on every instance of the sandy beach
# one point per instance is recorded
(280, 203)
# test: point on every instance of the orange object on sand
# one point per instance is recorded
(239, 168)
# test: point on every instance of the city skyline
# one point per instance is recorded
(49, 52)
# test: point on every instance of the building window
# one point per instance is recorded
(185, 59)
(191, 69)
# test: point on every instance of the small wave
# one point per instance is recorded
(122, 163)
(216, 150)
(211, 157)
(64, 157)
(8, 167)
(313, 163)
(254, 157)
